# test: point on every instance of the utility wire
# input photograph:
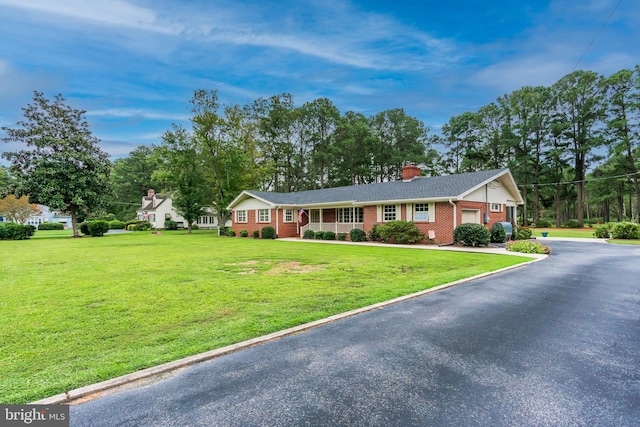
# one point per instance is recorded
(604, 178)
(597, 34)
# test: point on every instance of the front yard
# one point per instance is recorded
(78, 311)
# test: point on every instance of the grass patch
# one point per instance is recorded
(78, 311)
(586, 233)
(624, 241)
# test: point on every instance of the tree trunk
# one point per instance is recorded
(74, 221)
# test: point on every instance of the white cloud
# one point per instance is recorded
(112, 12)
(137, 113)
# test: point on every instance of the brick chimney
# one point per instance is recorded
(410, 171)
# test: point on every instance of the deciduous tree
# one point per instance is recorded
(17, 209)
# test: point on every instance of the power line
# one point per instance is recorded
(597, 34)
(604, 178)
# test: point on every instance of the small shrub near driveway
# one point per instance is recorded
(625, 230)
(498, 235)
(98, 228)
(472, 235)
(400, 231)
(522, 233)
(528, 247)
(357, 235)
(268, 232)
(602, 231)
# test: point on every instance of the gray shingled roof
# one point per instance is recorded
(437, 187)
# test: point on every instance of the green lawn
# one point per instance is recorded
(564, 232)
(78, 311)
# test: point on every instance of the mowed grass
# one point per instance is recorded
(564, 232)
(79, 311)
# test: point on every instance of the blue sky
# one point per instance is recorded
(134, 64)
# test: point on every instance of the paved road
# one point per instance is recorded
(556, 343)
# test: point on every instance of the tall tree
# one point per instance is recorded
(623, 123)
(460, 140)
(63, 167)
(184, 172)
(4, 179)
(17, 209)
(579, 104)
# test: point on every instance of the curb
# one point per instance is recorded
(144, 376)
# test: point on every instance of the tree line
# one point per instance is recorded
(573, 148)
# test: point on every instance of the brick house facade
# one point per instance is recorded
(435, 204)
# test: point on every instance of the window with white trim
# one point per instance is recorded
(389, 213)
(496, 207)
(314, 216)
(264, 215)
(350, 215)
(288, 215)
(241, 216)
(421, 212)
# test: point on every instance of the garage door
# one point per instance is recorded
(471, 216)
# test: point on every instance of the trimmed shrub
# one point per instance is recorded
(373, 234)
(625, 230)
(342, 236)
(522, 233)
(572, 223)
(309, 234)
(244, 233)
(51, 226)
(472, 235)
(543, 223)
(318, 235)
(357, 235)
(170, 225)
(268, 232)
(98, 228)
(255, 234)
(13, 231)
(84, 227)
(498, 235)
(528, 247)
(603, 231)
(400, 231)
(116, 224)
(329, 235)
(230, 232)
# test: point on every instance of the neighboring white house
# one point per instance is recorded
(46, 215)
(158, 208)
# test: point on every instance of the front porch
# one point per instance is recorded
(337, 220)
(336, 227)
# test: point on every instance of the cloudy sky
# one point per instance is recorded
(133, 64)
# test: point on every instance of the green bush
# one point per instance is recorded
(472, 235)
(572, 223)
(373, 234)
(528, 247)
(13, 231)
(98, 227)
(543, 223)
(602, 231)
(244, 233)
(318, 235)
(51, 226)
(342, 236)
(255, 234)
(357, 235)
(116, 224)
(522, 233)
(170, 225)
(309, 234)
(329, 235)
(268, 232)
(400, 231)
(498, 235)
(625, 230)
(84, 227)
(230, 232)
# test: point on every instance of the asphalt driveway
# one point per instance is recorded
(554, 343)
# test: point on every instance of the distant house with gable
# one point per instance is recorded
(435, 204)
(158, 208)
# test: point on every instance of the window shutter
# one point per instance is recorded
(379, 211)
(409, 211)
(432, 212)
(257, 216)
(398, 211)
